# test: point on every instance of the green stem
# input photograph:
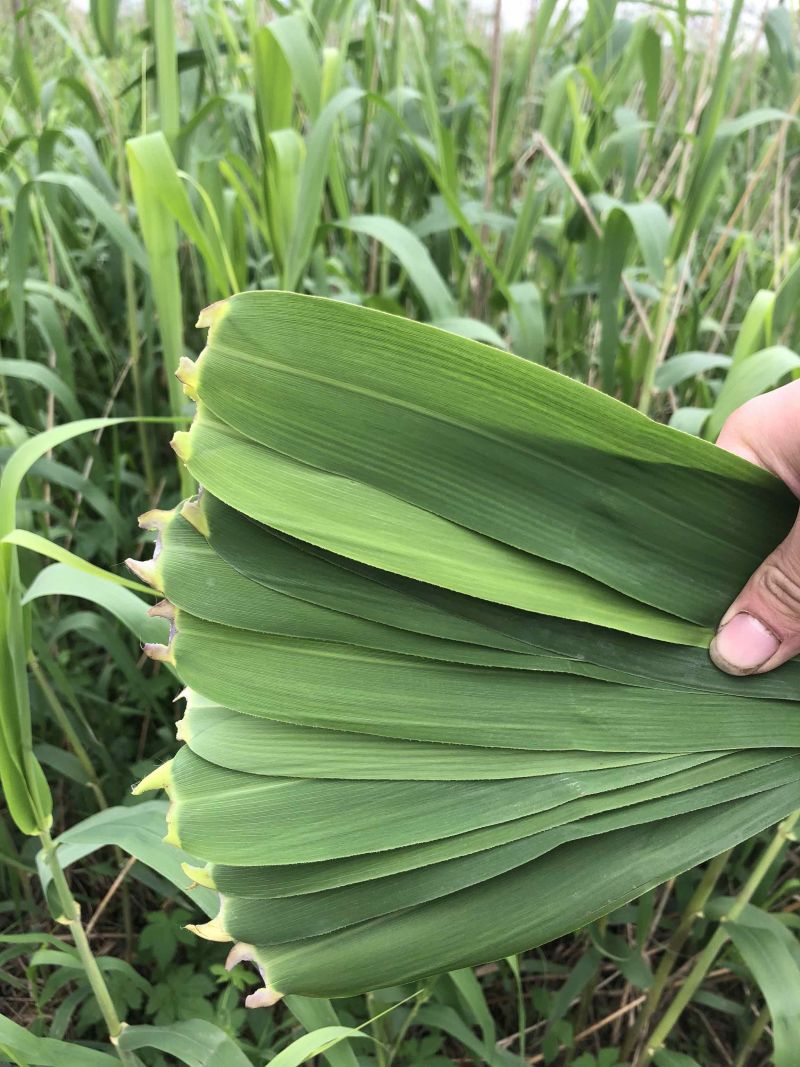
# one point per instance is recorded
(134, 347)
(753, 1037)
(69, 730)
(83, 757)
(378, 1033)
(71, 917)
(653, 355)
(422, 997)
(705, 960)
(674, 946)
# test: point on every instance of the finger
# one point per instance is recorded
(761, 629)
(765, 431)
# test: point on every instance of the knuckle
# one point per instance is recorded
(782, 585)
(746, 419)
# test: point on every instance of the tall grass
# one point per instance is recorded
(612, 197)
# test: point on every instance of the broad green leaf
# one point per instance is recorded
(756, 328)
(27, 1048)
(186, 570)
(27, 454)
(414, 258)
(574, 821)
(312, 182)
(650, 58)
(162, 25)
(273, 83)
(666, 1058)
(292, 37)
(278, 386)
(478, 331)
(375, 527)
(770, 952)
(497, 914)
(315, 682)
(212, 807)
(681, 368)
(298, 570)
(526, 321)
(27, 370)
(156, 178)
(139, 831)
(99, 208)
(104, 22)
(61, 579)
(146, 161)
(195, 1042)
(316, 1013)
(265, 746)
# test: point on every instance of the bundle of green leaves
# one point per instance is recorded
(442, 615)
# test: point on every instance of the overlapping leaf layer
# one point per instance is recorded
(448, 614)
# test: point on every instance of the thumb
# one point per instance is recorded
(761, 628)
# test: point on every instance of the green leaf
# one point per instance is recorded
(139, 831)
(496, 915)
(314, 1044)
(771, 953)
(99, 208)
(374, 527)
(27, 370)
(292, 37)
(681, 368)
(277, 386)
(27, 454)
(195, 1042)
(36, 543)
(60, 579)
(104, 22)
(47, 1051)
(665, 1058)
(526, 321)
(314, 1014)
(650, 59)
(414, 258)
(460, 551)
(312, 182)
(750, 377)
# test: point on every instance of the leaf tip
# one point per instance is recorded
(210, 931)
(146, 570)
(212, 314)
(160, 778)
(181, 445)
(158, 652)
(264, 997)
(171, 836)
(188, 374)
(164, 609)
(192, 511)
(199, 875)
(156, 519)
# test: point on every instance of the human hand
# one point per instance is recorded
(761, 628)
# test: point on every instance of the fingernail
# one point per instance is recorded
(743, 645)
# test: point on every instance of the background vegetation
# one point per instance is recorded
(612, 196)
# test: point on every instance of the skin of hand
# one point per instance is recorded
(761, 628)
